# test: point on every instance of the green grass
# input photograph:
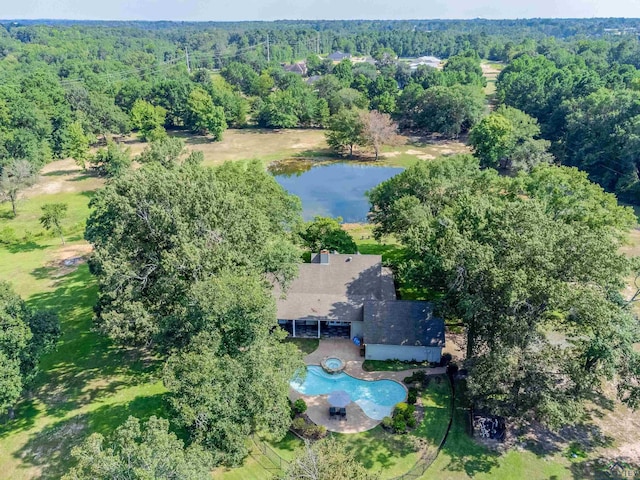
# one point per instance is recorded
(391, 365)
(86, 385)
(305, 345)
(462, 458)
(254, 465)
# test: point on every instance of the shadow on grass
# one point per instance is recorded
(85, 365)
(24, 247)
(50, 448)
(379, 448)
(617, 468)
(61, 173)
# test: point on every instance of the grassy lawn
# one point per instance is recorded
(256, 466)
(305, 345)
(86, 385)
(462, 458)
(391, 365)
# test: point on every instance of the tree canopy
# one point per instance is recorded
(25, 336)
(531, 266)
(138, 452)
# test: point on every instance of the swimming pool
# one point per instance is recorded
(376, 398)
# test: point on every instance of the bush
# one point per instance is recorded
(399, 425)
(412, 422)
(299, 424)
(419, 376)
(8, 236)
(412, 397)
(316, 431)
(299, 406)
(387, 422)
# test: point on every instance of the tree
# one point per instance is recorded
(492, 140)
(148, 119)
(447, 110)
(150, 230)
(26, 336)
(503, 252)
(77, 144)
(377, 130)
(166, 151)
(326, 460)
(223, 385)
(52, 216)
(345, 131)
(344, 72)
(112, 161)
(326, 233)
(138, 452)
(15, 177)
(203, 116)
(505, 139)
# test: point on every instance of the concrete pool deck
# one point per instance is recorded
(318, 406)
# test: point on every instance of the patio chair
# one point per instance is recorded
(343, 413)
(333, 411)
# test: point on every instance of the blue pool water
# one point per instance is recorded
(376, 398)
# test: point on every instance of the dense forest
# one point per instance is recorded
(67, 86)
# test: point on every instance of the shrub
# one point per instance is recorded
(299, 406)
(316, 431)
(8, 236)
(412, 397)
(412, 422)
(399, 425)
(387, 422)
(419, 376)
(299, 424)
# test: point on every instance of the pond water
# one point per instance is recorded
(333, 189)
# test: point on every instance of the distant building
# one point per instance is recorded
(427, 60)
(338, 56)
(354, 296)
(300, 68)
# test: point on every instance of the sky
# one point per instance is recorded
(232, 10)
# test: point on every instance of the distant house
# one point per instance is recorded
(349, 296)
(338, 56)
(300, 68)
(313, 79)
(433, 62)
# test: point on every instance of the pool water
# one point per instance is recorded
(376, 398)
(333, 363)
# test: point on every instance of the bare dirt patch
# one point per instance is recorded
(68, 258)
(244, 144)
(63, 176)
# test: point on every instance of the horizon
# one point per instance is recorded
(201, 11)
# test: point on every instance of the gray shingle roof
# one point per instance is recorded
(336, 291)
(399, 322)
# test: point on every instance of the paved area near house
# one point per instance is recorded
(318, 406)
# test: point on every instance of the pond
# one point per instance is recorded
(332, 189)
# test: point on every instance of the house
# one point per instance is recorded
(348, 296)
(338, 56)
(299, 67)
(433, 62)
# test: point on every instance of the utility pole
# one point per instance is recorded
(186, 52)
(268, 50)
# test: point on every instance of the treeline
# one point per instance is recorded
(585, 96)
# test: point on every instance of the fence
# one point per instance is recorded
(427, 458)
(270, 460)
(424, 462)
